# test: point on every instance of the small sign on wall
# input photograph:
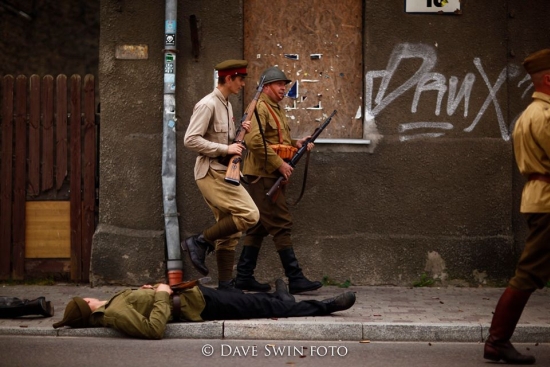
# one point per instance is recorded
(432, 6)
(131, 52)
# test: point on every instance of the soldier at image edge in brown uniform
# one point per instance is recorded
(531, 140)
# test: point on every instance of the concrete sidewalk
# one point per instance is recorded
(380, 314)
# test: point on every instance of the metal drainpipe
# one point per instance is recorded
(174, 265)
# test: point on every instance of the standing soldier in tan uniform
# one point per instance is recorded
(531, 139)
(211, 133)
(263, 165)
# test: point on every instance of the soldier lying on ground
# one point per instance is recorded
(144, 312)
(11, 307)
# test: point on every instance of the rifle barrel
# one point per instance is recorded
(296, 157)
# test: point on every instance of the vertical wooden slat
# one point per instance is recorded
(88, 223)
(76, 179)
(19, 185)
(47, 133)
(34, 137)
(61, 131)
(6, 171)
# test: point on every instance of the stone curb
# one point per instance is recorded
(299, 330)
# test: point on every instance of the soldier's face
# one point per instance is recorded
(235, 85)
(94, 303)
(276, 90)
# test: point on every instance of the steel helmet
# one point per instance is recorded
(274, 74)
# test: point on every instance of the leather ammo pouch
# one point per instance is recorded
(286, 152)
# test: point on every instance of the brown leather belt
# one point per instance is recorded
(176, 307)
(539, 177)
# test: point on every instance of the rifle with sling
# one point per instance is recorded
(233, 163)
(296, 157)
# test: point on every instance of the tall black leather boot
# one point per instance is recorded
(245, 271)
(507, 313)
(297, 282)
(11, 307)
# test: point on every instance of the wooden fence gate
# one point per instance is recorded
(48, 179)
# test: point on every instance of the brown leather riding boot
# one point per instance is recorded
(507, 313)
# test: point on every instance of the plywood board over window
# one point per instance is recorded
(318, 44)
(48, 229)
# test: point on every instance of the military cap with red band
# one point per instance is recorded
(537, 61)
(232, 67)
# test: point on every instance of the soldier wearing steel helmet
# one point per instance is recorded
(269, 143)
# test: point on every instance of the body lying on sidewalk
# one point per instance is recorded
(144, 313)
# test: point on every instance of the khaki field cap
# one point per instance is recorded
(537, 61)
(231, 67)
(77, 314)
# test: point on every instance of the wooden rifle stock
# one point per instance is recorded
(296, 157)
(233, 173)
(190, 284)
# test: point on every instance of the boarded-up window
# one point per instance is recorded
(318, 44)
(48, 229)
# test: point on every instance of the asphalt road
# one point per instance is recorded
(19, 351)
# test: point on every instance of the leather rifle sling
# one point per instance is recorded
(176, 307)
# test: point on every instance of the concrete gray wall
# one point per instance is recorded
(49, 37)
(386, 213)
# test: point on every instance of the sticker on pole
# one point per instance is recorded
(170, 39)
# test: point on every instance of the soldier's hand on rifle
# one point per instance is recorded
(235, 148)
(301, 142)
(286, 170)
(246, 125)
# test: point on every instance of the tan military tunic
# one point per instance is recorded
(531, 139)
(211, 129)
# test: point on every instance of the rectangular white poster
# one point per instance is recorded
(432, 6)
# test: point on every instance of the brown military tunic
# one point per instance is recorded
(255, 162)
(275, 218)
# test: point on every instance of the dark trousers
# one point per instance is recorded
(275, 218)
(230, 305)
(533, 268)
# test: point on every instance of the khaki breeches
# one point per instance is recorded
(225, 199)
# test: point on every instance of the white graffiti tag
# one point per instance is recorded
(424, 80)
